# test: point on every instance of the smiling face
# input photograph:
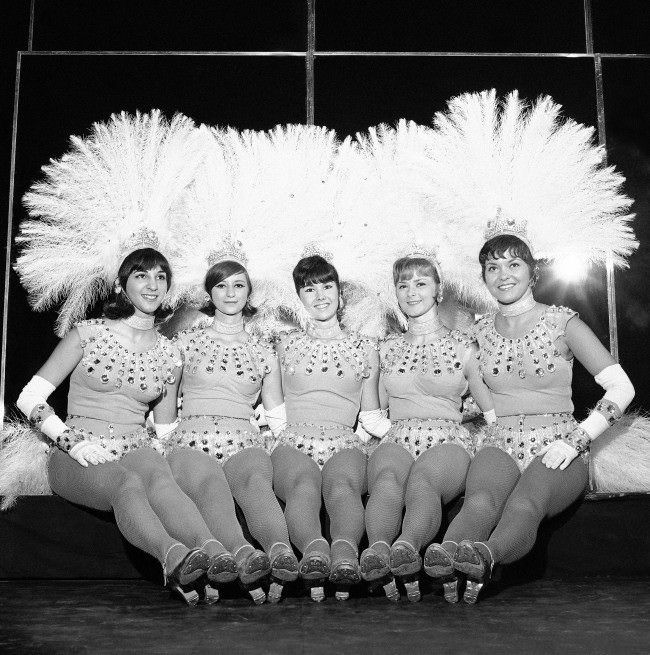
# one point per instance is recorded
(507, 278)
(230, 295)
(417, 294)
(146, 290)
(321, 300)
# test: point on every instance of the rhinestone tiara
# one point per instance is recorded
(229, 250)
(144, 237)
(501, 224)
(314, 248)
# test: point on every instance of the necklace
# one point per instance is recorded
(425, 327)
(139, 322)
(227, 328)
(521, 306)
(326, 332)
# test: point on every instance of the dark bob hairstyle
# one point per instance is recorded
(218, 273)
(314, 270)
(118, 305)
(497, 248)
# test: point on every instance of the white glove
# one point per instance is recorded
(163, 430)
(557, 454)
(375, 422)
(86, 452)
(276, 418)
(490, 416)
(362, 434)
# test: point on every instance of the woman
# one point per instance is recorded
(424, 374)
(225, 370)
(105, 458)
(526, 358)
(328, 375)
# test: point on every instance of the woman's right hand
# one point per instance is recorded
(86, 452)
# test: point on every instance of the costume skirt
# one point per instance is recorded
(319, 442)
(218, 436)
(529, 435)
(418, 435)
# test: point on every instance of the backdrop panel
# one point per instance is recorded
(621, 26)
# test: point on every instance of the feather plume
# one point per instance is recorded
(129, 173)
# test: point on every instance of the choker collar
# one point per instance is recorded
(425, 327)
(227, 328)
(139, 322)
(521, 306)
(329, 332)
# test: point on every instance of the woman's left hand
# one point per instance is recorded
(558, 454)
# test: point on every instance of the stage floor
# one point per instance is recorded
(136, 616)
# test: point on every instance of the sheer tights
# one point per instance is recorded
(297, 482)
(250, 476)
(388, 470)
(436, 478)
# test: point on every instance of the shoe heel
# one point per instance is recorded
(190, 596)
(275, 592)
(472, 589)
(342, 594)
(210, 595)
(412, 590)
(257, 594)
(450, 590)
(391, 591)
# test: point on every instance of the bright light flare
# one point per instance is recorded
(571, 270)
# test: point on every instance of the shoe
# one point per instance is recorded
(439, 565)
(345, 571)
(475, 560)
(314, 569)
(376, 571)
(252, 569)
(284, 568)
(405, 564)
(183, 579)
(223, 568)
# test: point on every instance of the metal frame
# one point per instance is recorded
(310, 54)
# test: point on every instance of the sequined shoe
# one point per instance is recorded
(405, 564)
(187, 574)
(439, 565)
(475, 560)
(345, 571)
(284, 568)
(375, 570)
(252, 569)
(314, 569)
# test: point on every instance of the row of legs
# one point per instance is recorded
(167, 507)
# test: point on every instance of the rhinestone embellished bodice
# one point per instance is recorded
(425, 381)
(322, 379)
(527, 375)
(115, 384)
(219, 379)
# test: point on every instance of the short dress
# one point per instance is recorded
(530, 380)
(425, 384)
(111, 388)
(322, 382)
(221, 384)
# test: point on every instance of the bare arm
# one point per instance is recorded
(64, 358)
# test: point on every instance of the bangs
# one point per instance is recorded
(314, 270)
(318, 278)
(500, 246)
(407, 267)
(144, 259)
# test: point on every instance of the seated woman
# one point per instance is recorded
(104, 456)
(423, 460)
(224, 371)
(328, 375)
(526, 358)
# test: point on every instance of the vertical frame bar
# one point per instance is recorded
(30, 41)
(309, 61)
(10, 216)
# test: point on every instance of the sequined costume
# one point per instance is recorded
(425, 384)
(221, 383)
(530, 380)
(111, 388)
(322, 382)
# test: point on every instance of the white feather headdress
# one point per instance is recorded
(126, 179)
(262, 196)
(527, 167)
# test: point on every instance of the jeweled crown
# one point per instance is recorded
(314, 248)
(144, 237)
(230, 250)
(502, 224)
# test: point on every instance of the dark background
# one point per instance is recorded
(244, 63)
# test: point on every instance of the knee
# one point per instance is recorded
(483, 502)
(160, 482)
(127, 482)
(307, 481)
(421, 481)
(521, 504)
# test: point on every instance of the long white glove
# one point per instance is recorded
(276, 418)
(86, 452)
(32, 402)
(375, 422)
(163, 430)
